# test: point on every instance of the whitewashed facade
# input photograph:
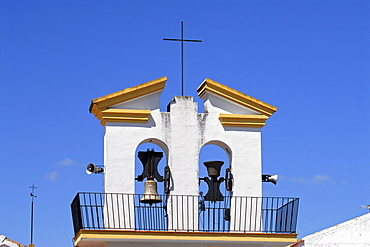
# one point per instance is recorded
(231, 120)
(352, 233)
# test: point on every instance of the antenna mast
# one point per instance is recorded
(32, 194)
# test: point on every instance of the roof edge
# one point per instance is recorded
(211, 86)
(243, 120)
(99, 104)
(106, 235)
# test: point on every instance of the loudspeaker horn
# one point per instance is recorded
(273, 178)
(91, 168)
(270, 178)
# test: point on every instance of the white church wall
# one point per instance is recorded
(181, 133)
(352, 233)
(121, 141)
(244, 147)
(185, 143)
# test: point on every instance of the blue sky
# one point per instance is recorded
(310, 59)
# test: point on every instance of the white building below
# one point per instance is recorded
(352, 233)
(6, 242)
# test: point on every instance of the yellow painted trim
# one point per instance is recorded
(124, 115)
(211, 86)
(243, 120)
(105, 235)
(100, 104)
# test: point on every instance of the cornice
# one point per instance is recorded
(124, 116)
(243, 120)
(100, 104)
(117, 235)
(233, 95)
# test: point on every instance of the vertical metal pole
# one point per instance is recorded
(32, 194)
(32, 221)
(182, 58)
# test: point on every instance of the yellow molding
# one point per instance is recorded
(105, 235)
(100, 104)
(243, 120)
(219, 89)
(124, 115)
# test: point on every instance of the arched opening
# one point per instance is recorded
(150, 213)
(157, 146)
(214, 151)
(214, 194)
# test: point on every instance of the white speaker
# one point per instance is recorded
(273, 178)
(91, 168)
(270, 178)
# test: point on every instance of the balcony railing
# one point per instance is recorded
(184, 213)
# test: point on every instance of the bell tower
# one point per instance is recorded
(232, 121)
(208, 199)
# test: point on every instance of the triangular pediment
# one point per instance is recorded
(134, 104)
(235, 108)
(127, 105)
(254, 106)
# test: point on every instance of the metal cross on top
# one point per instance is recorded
(33, 187)
(182, 53)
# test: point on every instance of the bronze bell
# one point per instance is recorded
(213, 168)
(150, 193)
(214, 194)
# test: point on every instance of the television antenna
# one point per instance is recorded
(32, 194)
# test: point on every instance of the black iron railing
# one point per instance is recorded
(184, 213)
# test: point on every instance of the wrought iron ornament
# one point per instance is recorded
(213, 168)
(150, 160)
(265, 214)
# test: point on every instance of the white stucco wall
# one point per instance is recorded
(181, 133)
(352, 233)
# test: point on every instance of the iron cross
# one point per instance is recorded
(33, 187)
(182, 53)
